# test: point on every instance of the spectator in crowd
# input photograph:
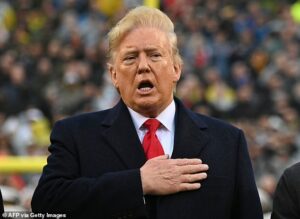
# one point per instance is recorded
(1, 204)
(287, 195)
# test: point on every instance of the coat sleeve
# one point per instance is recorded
(247, 203)
(62, 189)
(286, 198)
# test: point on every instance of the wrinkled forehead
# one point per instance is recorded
(144, 38)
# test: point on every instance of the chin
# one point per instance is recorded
(147, 102)
(149, 108)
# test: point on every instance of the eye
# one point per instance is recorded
(155, 56)
(129, 59)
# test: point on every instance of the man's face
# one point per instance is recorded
(144, 72)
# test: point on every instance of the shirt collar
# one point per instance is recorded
(166, 117)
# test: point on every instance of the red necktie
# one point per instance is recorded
(151, 144)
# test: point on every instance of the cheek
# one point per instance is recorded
(125, 80)
(176, 77)
(166, 84)
(168, 75)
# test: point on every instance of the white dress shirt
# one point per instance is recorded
(165, 132)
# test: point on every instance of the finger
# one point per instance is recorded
(161, 157)
(186, 161)
(194, 168)
(189, 186)
(191, 178)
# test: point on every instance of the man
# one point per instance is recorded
(148, 156)
(286, 203)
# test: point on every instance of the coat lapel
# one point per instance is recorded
(122, 136)
(191, 134)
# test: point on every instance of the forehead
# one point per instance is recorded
(143, 38)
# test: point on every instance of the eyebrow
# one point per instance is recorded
(130, 50)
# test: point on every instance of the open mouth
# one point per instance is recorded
(145, 86)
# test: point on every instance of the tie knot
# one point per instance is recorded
(152, 124)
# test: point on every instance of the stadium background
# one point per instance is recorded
(242, 64)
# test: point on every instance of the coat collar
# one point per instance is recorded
(122, 136)
(190, 135)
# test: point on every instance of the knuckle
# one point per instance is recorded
(184, 187)
(188, 178)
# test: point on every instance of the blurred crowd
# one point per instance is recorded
(241, 64)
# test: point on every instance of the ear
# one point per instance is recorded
(113, 75)
(177, 72)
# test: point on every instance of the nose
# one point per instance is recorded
(143, 65)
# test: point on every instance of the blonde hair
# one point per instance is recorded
(143, 16)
